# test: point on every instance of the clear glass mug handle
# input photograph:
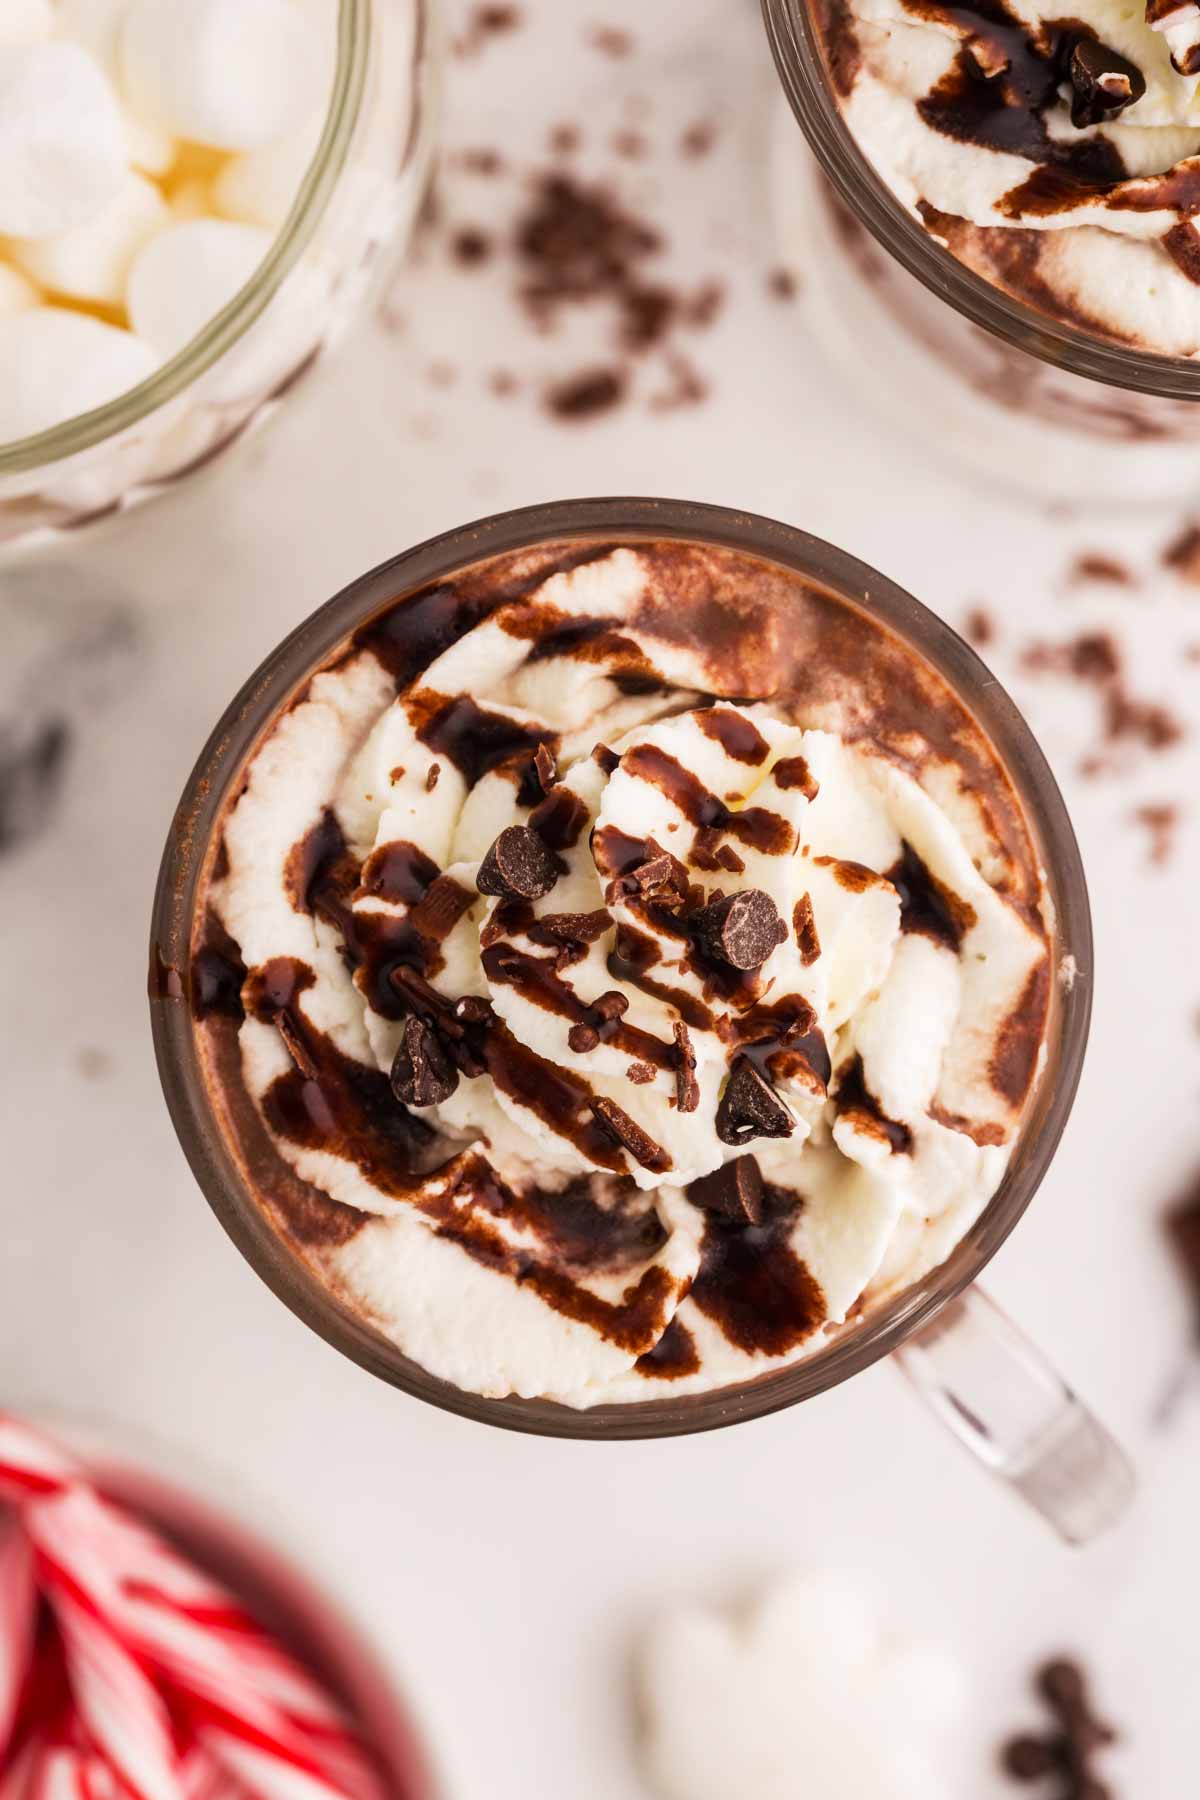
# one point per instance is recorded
(1001, 1398)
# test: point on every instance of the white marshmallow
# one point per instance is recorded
(25, 21)
(16, 294)
(92, 262)
(187, 274)
(233, 74)
(260, 185)
(55, 364)
(62, 139)
(96, 26)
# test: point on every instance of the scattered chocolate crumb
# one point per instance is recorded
(629, 1134)
(518, 866)
(583, 396)
(433, 777)
(699, 138)
(295, 1045)
(1183, 1232)
(750, 1107)
(1098, 567)
(704, 305)
(564, 139)
(1144, 721)
(94, 1064)
(503, 383)
(687, 387)
(1183, 554)
(470, 247)
(397, 774)
(441, 374)
(1161, 821)
(422, 1073)
(630, 144)
(687, 1088)
(805, 927)
(640, 1073)
(610, 40)
(1192, 652)
(741, 929)
(1094, 659)
(980, 626)
(485, 22)
(545, 766)
(1093, 656)
(1069, 1749)
(480, 161)
(781, 284)
(735, 1190)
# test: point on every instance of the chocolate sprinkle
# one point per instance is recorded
(518, 866)
(687, 1088)
(629, 1134)
(750, 1107)
(422, 1073)
(741, 929)
(805, 927)
(735, 1190)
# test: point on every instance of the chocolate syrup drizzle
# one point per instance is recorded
(750, 1283)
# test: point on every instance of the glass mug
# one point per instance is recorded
(356, 206)
(1029, 400)
(980, 1373)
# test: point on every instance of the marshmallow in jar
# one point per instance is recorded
(149, 152)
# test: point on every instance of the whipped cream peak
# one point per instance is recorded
(627, 1031)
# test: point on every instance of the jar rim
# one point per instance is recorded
(800, 64)
(221, 765)
(220, 333)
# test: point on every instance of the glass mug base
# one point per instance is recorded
(969, 399)
(1018, 1404)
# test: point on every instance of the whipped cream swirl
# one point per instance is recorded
(635, 1033)
(1059, 156)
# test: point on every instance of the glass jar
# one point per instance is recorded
(1030, 401)
(355, 208)
(983, 1377)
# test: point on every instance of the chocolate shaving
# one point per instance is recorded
(519, 866)
(629, 1134)
(735, 1190)
(545, 766)
(750, 1107)
(433, 777)
(661, 878)
(422, 1072)
(741, 929)
(457, 1024)
(805, 927)
(687, 1088)
(575, 927)
(640, 1073)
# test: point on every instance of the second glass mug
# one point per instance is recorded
(981, 1375)
(1028, 399)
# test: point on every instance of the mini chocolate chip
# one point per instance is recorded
(422, 1073)
(687, 1088)
(629, 1134)
(433, 777)
(640, 1073)
(545, 767)
(741, 929)
(735, 1190)
(518, 866)
(750, 1107)
(1104, 82)
(582, 1037)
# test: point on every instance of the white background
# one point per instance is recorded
(510, 1578)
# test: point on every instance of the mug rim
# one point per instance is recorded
(291, 664)
(800, 66)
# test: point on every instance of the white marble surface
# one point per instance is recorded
(509, 1577)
